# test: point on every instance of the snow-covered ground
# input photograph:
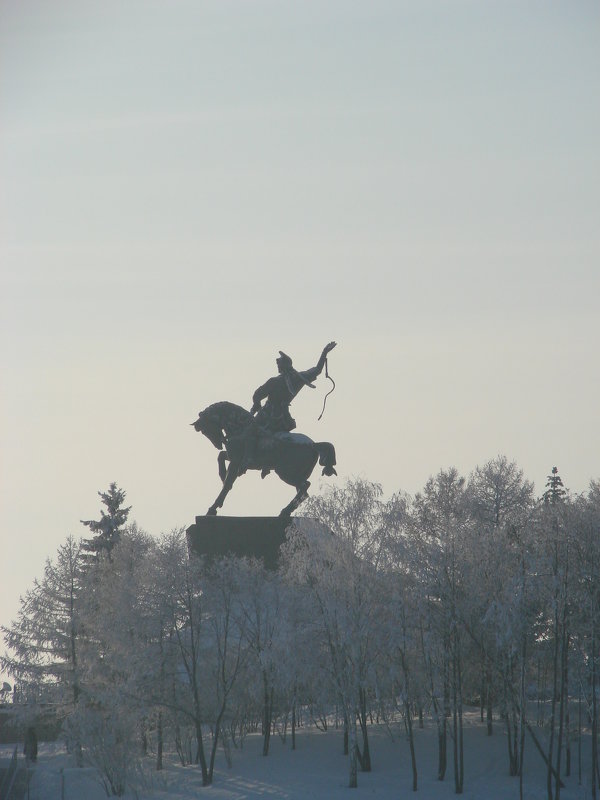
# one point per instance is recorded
(317, 769)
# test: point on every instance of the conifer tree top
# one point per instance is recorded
(555, 491)
(108, 527)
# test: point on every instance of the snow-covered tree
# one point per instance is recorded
(354, 513)
(499, 494)
(439, 527)
(109, 720)
(106, 731)
(184, 610)
(499, 501)
(261, 600)
(44, 641)
(343, 589)
(224, 590)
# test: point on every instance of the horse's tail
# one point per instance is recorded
(326, 457)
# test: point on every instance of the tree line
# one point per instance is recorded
(474, 592)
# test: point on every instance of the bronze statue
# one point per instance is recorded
(261, 439)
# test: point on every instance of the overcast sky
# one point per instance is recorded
(187, 187)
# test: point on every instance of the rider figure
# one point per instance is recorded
(278, 392)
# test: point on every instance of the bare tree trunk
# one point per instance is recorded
(521, 712)
(411, 741)
(200, 757)
(365, 758)
(460, 721)
(179, 744)
(554, 689)
(442, 750)
(489, 703)
(539, 691)
(76, 689)
(567, 740)
(539, 748)
(522, 699)
(159, 742)
(409, 728)
(511, 744)
(445, 713)
(267, 713)
(482, 691)
(346, 734)
(564, 698)
(215, 741)
(457, 787)
(510, 719)
(352, 750)
(594, 702)
(579, 735)
(561, 712)
(457, 727)
(567, 711)
(440, 718)
(193, 675)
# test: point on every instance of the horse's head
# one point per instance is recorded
(210, 425)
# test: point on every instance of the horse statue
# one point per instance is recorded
(292, 456)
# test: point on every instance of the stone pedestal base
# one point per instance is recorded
(252, 537)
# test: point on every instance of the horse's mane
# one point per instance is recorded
(230, 410)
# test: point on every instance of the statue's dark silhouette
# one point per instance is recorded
(261, 438)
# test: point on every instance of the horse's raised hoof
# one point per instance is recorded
(212, 512)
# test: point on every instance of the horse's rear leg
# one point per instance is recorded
(232, 473)
(301, 495)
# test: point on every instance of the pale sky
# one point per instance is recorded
(187, 187)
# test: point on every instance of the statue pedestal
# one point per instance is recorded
(250, 537)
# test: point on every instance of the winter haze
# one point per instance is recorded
(189, 187)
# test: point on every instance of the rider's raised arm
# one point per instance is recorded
(311, 374)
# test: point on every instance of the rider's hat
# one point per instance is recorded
(287, 364)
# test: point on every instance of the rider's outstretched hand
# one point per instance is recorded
(329, 347)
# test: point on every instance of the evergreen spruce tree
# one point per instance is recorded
(108, 528)
(555, 491)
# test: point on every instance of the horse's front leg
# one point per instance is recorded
(221, 459)
(232, 473)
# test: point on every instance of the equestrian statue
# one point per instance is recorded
(262, 438)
